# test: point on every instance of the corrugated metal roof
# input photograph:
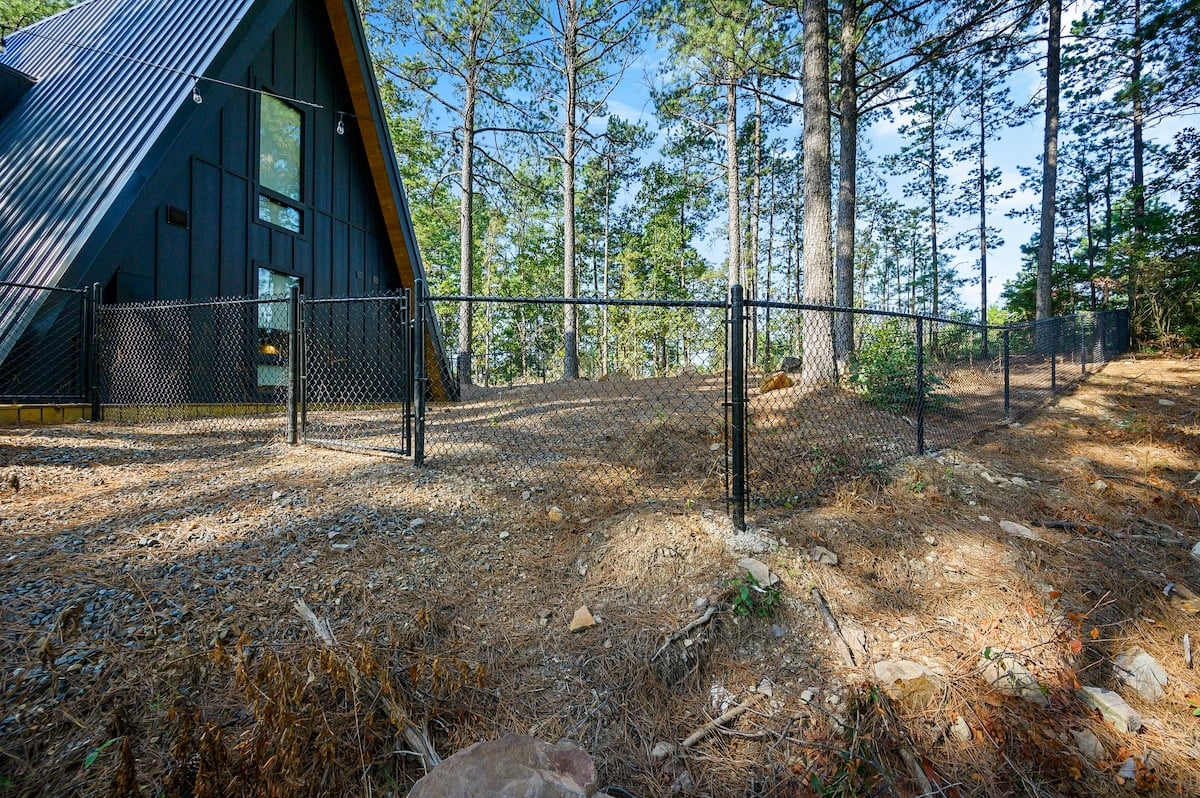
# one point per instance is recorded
(111, 74)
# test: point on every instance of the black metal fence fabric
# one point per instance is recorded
(663, 406)
(222, 363)
(645, 417)
(47, 361)
(356, 373)
(747, 402)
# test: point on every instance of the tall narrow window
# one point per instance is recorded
(280, 156)
(273, 327)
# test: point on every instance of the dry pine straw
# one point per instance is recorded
(166, 567)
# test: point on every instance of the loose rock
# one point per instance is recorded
(960, 731)
(515, 766)
(1088, 744)
(759, 570)
(662, 750)
(582, 619)
(1002, 670)
(1020, 531)
(1111, 707)
(905, 680)
(774, 382)
(822, 555)
(1142, 673)
(555, 514)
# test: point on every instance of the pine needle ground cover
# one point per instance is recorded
(152, 641)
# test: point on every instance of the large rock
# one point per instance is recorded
(1111, 707)
(1142, 673)
(905, 680)
(774, 382)
(515, 766)
(1002, 670)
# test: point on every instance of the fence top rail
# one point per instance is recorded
(175, 304)
(558, 300)
(895, 314)
(387, 297)
(32, 287)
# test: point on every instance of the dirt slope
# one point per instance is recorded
(149, 638)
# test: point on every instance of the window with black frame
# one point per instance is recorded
(273, 327)
(280, 164)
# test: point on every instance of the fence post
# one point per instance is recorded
(419, 377)
(1084, 342)
(293, 395)
(1053, 323)
(1007, 396)
(920, 386)
(737, 372)
(91, 369)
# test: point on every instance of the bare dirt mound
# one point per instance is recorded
(152, 638)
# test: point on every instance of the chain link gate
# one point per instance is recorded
(355, 374)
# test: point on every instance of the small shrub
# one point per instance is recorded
(751, 598)
(885, 370)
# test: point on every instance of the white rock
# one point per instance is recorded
(555, 514)
(416, 523)
(276, 495)
(1142, 673)
(960, 731)
(1019, 530)
(1166, 403)
(504, 535)
(1099, 486)
(1019, 482)
(1088, 744)
(903, 679)
(662, 750)
(1111, 707)
(931, 540)
(1128, 769)
(822, 555)
(759, 570)
(342, 547)
(1002, 670)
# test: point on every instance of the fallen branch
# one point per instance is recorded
(720, 720)
(703, 619)
(832, 624)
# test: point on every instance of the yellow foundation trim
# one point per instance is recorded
(19, 415)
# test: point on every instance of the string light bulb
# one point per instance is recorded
(341, 125)
(196, 98)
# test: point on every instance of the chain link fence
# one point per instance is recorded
(47, 363)
(356, 373)
(645, 417)
(744, 402)
(222, 365)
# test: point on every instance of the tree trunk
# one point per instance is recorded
(751, 269)
(731, 172)
(983, 298)
(819, 364)
(1139, 180)
(570, 278)
(466, 220)
(847, 186)
(1049, 167)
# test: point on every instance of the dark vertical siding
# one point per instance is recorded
(211, 173)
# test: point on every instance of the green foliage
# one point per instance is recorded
(95, 753)
(20, 13)
(751, 598)
(885, 370)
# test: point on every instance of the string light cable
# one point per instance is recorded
(196, 79)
